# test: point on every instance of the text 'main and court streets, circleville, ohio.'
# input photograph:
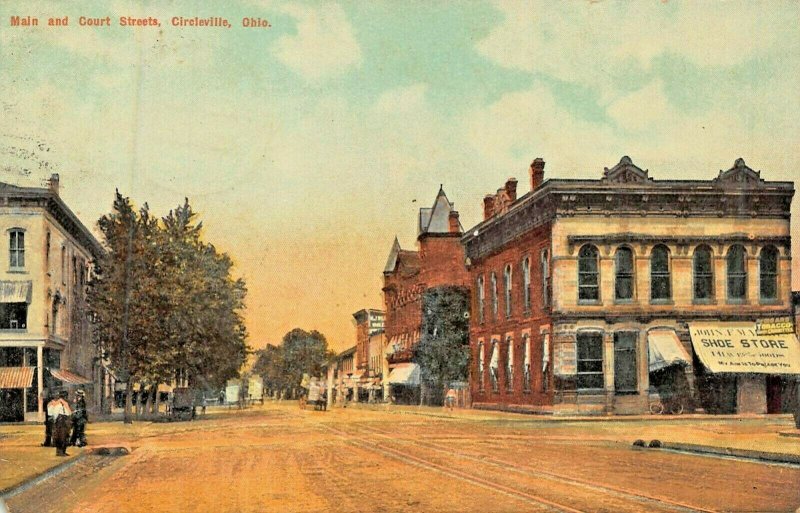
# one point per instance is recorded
(134, 21)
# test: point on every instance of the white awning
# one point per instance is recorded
(493, 361)
(738, 348)
(15, 291)
(404, 374)
(545, 351)
(527, 360)
(665, 349)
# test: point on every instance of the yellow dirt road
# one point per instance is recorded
(282, 459)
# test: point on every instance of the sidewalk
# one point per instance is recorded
(768, 437)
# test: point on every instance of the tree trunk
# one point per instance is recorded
(139, 400)
(156, 395)
(126, 416)
(148, 407)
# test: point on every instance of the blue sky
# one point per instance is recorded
(307, 146)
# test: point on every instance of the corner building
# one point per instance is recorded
(586, 292)
(408, 274)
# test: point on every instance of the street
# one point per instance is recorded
(279, 458)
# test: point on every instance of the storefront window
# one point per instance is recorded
(625, 372)
(590, 360)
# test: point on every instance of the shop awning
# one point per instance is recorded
(15, 291)
(404, 374)
(16, 377)
(737, 348)
(665, 349)
(69, 378)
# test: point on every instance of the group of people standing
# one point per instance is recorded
(61, 418)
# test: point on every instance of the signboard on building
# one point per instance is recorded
(775, 326)
(738, 348)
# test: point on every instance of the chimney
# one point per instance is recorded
(511, 189)
(455, 226)
(537, 173)
(488, 206)
(53, 183)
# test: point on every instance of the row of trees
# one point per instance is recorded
(282, 367)
(164, 302)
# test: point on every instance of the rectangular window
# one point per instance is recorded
(545, 261)
(625, 373)
(590, 360)
(17, 248)
(526, 283)
(481, 299)
(13, 316)
(623, 288)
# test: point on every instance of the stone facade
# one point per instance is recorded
(623, 256)
(44, 328)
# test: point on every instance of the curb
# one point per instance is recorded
(32, 481)
(771, 457)
(522, 416)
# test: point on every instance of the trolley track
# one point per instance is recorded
(517, 468)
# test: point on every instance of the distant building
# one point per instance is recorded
(369, 353)
(591, 295)
(437, 261)
(344, 372)
(45, 341)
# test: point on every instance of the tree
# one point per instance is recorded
(301, 352)
(164, 301)
(443, 350)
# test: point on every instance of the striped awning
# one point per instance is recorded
(69, 378)
(16, 377)
(15, 291)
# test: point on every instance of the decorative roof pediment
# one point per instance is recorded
(626, 172)
(739, 175)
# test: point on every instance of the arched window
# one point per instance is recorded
(509, 363)
(588, 274)
(660, 283)
(481, 365)
(703, 268)
(737, 272)
(481, 298)
(493, 284)
(544, 258)
(16, 248)
(526, 364)
(526, 283)
(63, 265)
(768, 272)
(623, 263)
(507, 288)
(494, 365)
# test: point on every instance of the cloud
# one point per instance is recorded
(600, 43)
(324, 46)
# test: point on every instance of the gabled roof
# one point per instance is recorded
(437, 218)
(398, 257)
(391, 262)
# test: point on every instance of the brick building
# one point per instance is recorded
(437, 261)
(369, 352)
(591, 295)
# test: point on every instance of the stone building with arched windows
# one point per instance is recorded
(625, 294)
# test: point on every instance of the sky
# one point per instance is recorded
(307, 146)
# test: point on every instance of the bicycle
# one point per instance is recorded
(667, 406)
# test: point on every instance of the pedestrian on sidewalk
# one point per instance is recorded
(58, 409)
(450, 398)
(80, 418)
(48, 422)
